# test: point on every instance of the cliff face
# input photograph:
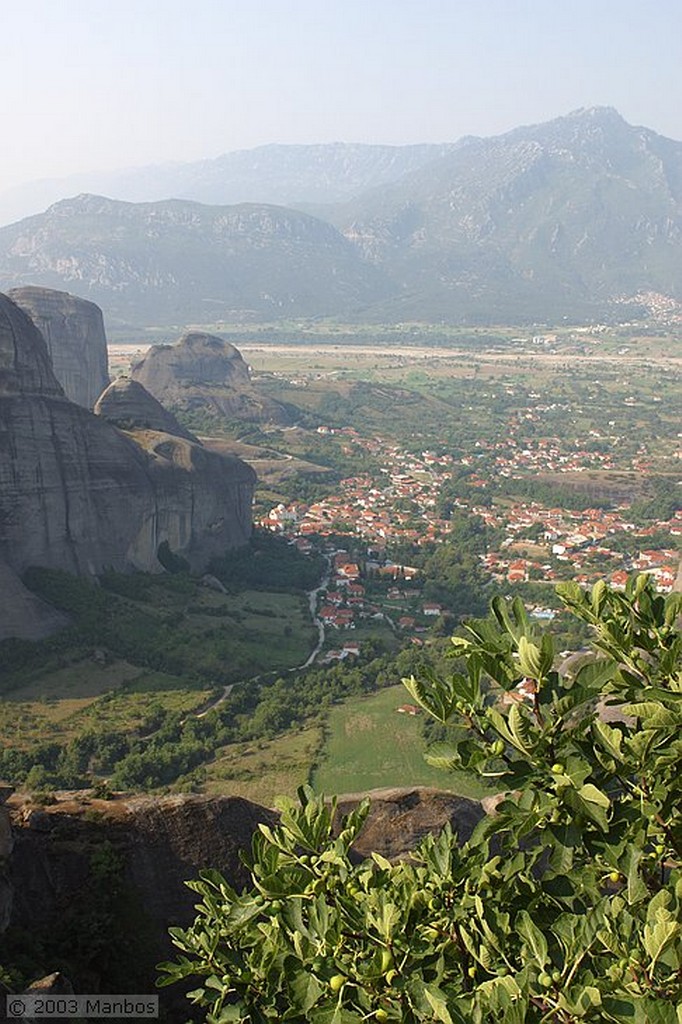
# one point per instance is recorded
(78, 494)
(74, 331)
(62, 878)
(97, 885)
(203, 372)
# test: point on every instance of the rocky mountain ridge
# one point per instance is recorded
(284, 175)
(576, 218)
(564, 218)
(571, 218)
(176, 261)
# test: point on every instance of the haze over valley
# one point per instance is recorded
(327, 331)
(578, 218)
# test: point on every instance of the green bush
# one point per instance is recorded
(564, 906)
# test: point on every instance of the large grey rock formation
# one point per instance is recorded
(74, 331)
(204, 372)
(78, 494)
(128, 405)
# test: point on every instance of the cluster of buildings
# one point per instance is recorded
(401, 504)
(583, 546)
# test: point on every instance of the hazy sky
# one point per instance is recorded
(95, 84)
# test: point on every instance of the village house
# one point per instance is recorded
(409, 709)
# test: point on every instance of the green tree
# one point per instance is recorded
(563, 907)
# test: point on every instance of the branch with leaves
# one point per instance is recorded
(564, 905)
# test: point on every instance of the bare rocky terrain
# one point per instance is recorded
(203, 373)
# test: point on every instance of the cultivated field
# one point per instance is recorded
(370, 745)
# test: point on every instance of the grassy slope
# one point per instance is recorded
(56, 702)
(371, 746)
(264, 769)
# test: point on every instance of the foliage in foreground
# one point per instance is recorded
(563, 907)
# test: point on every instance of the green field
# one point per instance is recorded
(369, 745)
(142, 653)
(262, 770)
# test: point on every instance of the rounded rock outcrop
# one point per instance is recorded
(24, 359)
(128, 405)
(203, 373)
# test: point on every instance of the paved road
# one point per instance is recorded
(312, 604)
(219, 700)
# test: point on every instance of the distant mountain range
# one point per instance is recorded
(176, 262)
(571, 218)
(277, 174)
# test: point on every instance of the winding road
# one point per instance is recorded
(312, 604)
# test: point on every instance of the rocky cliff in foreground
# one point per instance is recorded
(78, 494)
(74, 331)
(82, 862)
(203, 373)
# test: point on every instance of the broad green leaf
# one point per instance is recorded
(593, 795)
(653, 715)
(655, 1011)
(438, 1003)
(636, 888)
(598, 596)
(306, 990)
(533, 937)
(443, 755)
(499, 723)
(580, 1000)
(516, 1013)
(386, 920)
(232, 1014)
(611, 739)
(620, 1010)
(590, 810)
(520, 729)
(659, 937)
(566, 840)
(433, 697)
(530, 658)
